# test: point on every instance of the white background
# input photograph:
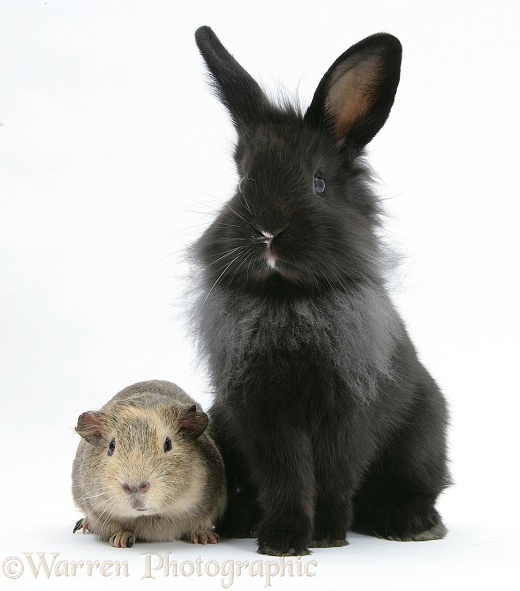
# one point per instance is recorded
(114, 155)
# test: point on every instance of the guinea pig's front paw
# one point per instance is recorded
(203, 537)
(123, 539)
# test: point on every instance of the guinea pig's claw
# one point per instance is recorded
(204, 537)
(81, 524)
(123, 539)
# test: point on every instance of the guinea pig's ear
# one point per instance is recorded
(237, 90)
(192, 422)
(90, 426)
(355, 96)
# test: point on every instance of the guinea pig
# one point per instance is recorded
(148, 469)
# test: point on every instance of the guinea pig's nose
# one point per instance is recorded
(140, 488)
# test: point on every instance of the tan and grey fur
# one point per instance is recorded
(147, 468)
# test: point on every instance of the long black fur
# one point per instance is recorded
(328, 421)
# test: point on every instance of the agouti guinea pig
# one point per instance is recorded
(148, 468)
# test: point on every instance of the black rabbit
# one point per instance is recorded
(327, 419)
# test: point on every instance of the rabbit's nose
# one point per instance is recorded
(268, 236)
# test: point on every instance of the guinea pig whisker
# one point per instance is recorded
(95, 505)
(92, 520)
(104, 505)
(89, 497)
(113, 506)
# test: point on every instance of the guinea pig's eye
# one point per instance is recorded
(111, 447)
(167, 444)
(319, 184)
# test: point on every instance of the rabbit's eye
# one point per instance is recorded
(319, 184)
(111, 447)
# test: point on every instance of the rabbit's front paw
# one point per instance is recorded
(329, 543)
(282, 544)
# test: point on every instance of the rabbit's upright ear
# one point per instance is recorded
(355, 96)
(237, 90)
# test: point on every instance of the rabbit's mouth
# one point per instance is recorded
(270, 256)
(274, 266)
(271, 259)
